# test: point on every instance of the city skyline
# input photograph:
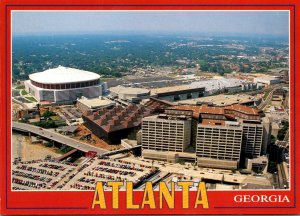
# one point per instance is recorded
(274, 23)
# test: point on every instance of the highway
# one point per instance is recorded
(266, 102)
(56, 137)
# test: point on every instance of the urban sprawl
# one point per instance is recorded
(72, 127)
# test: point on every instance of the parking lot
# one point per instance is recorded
(54, 175)
(108, 170)
(39, 174)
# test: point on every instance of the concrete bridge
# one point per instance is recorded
(54, 136)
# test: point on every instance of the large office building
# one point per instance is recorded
(250, 132)
(166, 132)
(64, 84)
(252, 139)
(218, 144)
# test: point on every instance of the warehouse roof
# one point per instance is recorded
(128, 90)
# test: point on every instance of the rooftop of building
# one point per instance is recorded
(244, 109)
(129, 90)
(201, 109)
(218, 83)
(118, 118)
(267, 78)
(166, 117)
(96, 102)
(157, 104)
(172, 89)
(222, 100)
(63, 75)
(69, 129)
(206, 109)
(213, 122)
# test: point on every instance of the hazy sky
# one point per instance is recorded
(244, 22)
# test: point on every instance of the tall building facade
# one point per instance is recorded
(218, 144)
(252, 140)
(166, 133)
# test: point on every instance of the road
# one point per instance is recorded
(266, 102)
(56, 137)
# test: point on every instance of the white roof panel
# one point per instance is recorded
(63, 75)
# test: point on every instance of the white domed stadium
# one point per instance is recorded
(63, 84)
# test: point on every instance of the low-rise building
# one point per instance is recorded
(94, 104)
(258, 165)
(115, 124)
(177, 93)
(268, 80)
(129, 94)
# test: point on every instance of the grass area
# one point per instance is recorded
(31, 99)
(202, 62)
(107, 79)
(23, 92)
(55, 118)
(20, 87)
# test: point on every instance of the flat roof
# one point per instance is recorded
(63, 75)
(267, 78)
(221, 100)
(168, 118)
(129, 90)
(201, 109)
(219, 83)
(205, 109)
(173, 89)
(213, 122)
(96, 102)
(244, 109)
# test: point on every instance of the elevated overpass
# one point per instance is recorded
(51, 135)
(267, 101)
(119, 151)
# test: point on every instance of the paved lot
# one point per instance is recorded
(53, 175)
(39, 174)
(108, 170)
(22, 147)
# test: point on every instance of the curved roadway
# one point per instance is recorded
(57, 137)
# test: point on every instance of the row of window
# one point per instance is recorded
(219, 157)
(162, 131)
(66, 85)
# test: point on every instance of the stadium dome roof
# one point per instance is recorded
(63, 75)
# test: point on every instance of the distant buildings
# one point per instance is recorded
(115, 124)
(176, 93)
(218, 85)
(62, 84)
(268, 80)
